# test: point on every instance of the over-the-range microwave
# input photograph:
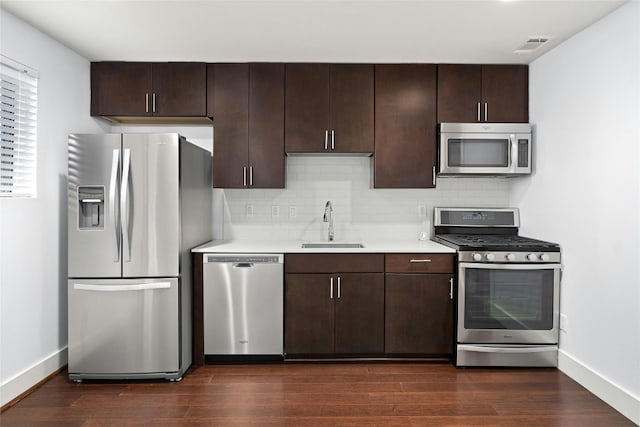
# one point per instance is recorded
(490, 149)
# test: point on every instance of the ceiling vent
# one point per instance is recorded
(534, 43)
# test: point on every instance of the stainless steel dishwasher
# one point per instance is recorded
(243, 304)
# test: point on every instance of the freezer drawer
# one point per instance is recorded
(124, 328)
(243, 304)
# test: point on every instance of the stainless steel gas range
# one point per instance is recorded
(508, 288)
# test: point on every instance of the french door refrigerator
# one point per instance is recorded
(137, 203)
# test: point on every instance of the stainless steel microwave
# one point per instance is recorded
(484, 149)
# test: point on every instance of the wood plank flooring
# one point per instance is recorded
(321, 394)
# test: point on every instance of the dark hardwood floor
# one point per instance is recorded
(321, 394)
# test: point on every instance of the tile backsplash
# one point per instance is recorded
(360, 212)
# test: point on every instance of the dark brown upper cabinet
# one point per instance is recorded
(405, 126)
(246, 102)
(329, 108)
(124, 91)
(483, 93)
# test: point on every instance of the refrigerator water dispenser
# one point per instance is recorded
(91, 207)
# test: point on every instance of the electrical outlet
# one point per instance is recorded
(250, 210)
(275, 211)
(293, 211)
(422, 211)
(564, 323)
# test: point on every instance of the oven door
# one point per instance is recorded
(508, 303)
(485, 154)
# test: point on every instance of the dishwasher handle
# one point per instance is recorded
(243, 265)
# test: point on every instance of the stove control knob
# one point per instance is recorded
(544, 257)
(510, 257)
(532, 257)
(490, 257)
(477, 257)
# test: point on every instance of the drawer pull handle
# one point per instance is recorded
(420, 260)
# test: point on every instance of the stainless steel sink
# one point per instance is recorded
(332, 245)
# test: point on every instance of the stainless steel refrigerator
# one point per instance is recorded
(137, 204)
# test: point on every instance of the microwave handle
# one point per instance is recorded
(512, 142)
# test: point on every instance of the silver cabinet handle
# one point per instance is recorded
(153, 103)
(433, 175)
(244, 176)
(419, 260)
(338, 287)
(451, 288)
(326, 139)
(478, 111)
(331, 288)
(146, 102)
(486, 116)
(114, 288)
(124, 208)
(250, 176)
(333, 139)
(115, 162)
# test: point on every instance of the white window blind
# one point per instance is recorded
(18, 100)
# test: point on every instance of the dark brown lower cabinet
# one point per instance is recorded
(334, 314)
(418, 314)
(359, 313)
(309, 314)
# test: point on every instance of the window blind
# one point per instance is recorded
(18, 124)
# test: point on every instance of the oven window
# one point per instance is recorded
(508, 299)
(478, 152)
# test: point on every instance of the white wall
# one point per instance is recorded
(360, 212)
(585, 194)
(33, 232)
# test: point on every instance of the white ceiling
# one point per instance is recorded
(444, 31)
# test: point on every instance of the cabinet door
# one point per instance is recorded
(505, 89)
(459, 93)
(121, 89)
(405, 126)
(309, 314)
(359, 313)
(418, 314)
(352, 108)
(230, 125)
(306, 107)
(179, 89)
(266, 125)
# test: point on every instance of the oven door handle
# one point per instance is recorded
(507, 349)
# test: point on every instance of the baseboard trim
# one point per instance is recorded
(620, 399)
(28, 380)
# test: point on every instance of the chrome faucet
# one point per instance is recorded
(328, 217)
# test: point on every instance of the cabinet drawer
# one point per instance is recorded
(419, 263)
(334, 263)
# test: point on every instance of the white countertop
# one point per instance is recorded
(295, 246)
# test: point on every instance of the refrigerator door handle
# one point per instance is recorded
(112, 204)
(124, 208)
(115, 288)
